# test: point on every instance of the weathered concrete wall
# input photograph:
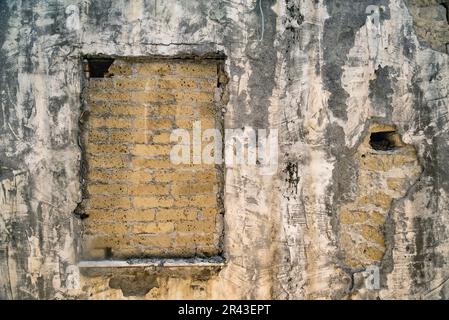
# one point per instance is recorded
(322, 72)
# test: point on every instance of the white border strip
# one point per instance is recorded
(169, 263)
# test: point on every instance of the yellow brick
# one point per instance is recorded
(150, 150)
(129, 84)
(178, 83)
(163, 227)
(118, 215)
(139, 215)
(372, 253)
(138, 163)
(186, 240)
(181, 82)
(208, 250)
(152, 124)
(99, 109)
(110, 96)
(109, 228)
(207, 111)
(105, 202)
(195, 69)
(107, 148)
(184, 123)
(395, 184)
(107, 162)
(148, 189)
(208, 213)
(202, 201)
(100, 83)
(171, 110)
(377, 127)
(209, 84)
(350, 217)
(194, 97)
(175, 214)
(110, 123)
(173, 176)
(204, 176)
(377, 199)
(149, 97)
(105, 241)
(128, 136)
(152, 202)
(188, 124)
(122, 175)
(125, 252)
(192, 188)
(128, 110)
(377, 217)
(182, 251)
(162, 138)
(105, 215)
(120, 69)
(195, 226)
(372, 234)
(108, 189)
(206, 240)
(400, 160)
(163, 241)
(96, 136)
(161, 110)
(155, 68)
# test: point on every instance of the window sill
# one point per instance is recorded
(213, 262)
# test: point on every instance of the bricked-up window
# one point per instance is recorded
(136, 202)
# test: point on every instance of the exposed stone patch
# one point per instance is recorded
(134, 285)
(137, 202)
(387, 168)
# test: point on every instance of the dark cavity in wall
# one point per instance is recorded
(98, 67)
(384, 141)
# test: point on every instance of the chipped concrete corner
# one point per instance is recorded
(357, 90)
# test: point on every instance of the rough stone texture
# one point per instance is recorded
(387, 169)
(137, 202)
(322, 72)
(431, 22)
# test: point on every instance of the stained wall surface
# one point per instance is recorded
(324, 73)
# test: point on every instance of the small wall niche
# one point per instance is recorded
(385, 140)
(97, 67)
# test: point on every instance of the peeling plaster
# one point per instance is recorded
(319, 71)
